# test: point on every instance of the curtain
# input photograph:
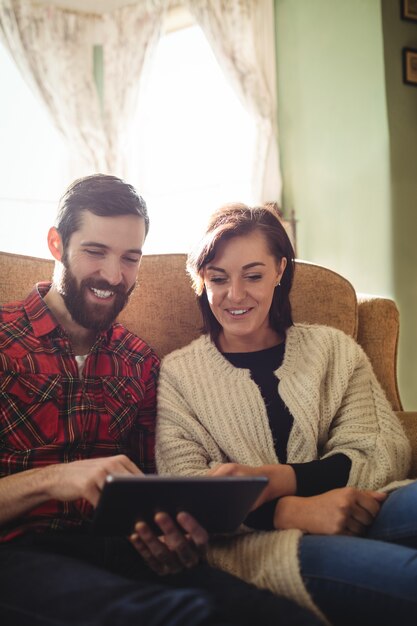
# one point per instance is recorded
(241, 33)
(54, 48)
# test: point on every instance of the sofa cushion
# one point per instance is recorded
(320, 296)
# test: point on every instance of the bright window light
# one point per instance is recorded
(192, 146)
(32, 165)
(194, 142)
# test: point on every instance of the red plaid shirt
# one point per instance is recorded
(51, 414)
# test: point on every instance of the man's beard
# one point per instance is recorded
(92, 316)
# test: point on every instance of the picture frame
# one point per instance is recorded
(410, 66)
(409, 10)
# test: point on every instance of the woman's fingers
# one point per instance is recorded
(363, 511)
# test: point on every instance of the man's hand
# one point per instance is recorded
(282, 479)
(85, 478)
(182, 544)
(22, 492)
(344, 511)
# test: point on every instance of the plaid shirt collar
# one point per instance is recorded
(41, 317)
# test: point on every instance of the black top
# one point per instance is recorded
(313, 477)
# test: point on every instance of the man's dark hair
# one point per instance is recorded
(234, 220)
(101, 194)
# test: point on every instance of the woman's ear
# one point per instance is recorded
(281, 268)
(55, 244)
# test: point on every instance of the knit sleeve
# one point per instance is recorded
(367, 431)
(183, 445)
(339, 407)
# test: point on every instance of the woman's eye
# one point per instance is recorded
(217, 280)
(254, 277)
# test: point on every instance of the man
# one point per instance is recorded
(77, 402)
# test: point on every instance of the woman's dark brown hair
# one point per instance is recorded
(235, 220)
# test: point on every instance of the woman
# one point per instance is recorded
(258, 395)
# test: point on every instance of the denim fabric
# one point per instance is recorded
(59, 580)
(397, 519)
(370, 580)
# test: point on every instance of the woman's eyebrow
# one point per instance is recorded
(244, 267)
(216, 269)
(249, 265)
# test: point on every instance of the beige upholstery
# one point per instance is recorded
(163, 311)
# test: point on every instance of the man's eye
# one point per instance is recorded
(131, 259)
(94, 252)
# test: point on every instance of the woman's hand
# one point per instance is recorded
(345, 511)
(282, 480)
(181, 546)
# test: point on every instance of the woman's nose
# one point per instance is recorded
(237, 291)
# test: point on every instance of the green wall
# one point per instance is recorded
(336, 142)
(402, 119)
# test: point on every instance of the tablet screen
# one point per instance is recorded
(219, 504)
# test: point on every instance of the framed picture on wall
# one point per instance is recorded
(409, 10)
(410, 66)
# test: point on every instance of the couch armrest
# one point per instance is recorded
(378, 330)
(409, 421)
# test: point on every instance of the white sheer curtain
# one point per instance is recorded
(130, 36)
(241, 33)
(53, 49)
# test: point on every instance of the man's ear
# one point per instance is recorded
(55, 244)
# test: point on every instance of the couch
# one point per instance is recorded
(164, 312)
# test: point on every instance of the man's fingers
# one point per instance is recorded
(179, 547)
(157, 566)
(121, 464)
(176, 541)
(198, 534)
(154, 550)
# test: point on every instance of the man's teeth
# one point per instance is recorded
(101, 293)
(239, 311)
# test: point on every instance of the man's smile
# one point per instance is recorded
(102, 293)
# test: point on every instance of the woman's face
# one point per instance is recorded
(240, 283)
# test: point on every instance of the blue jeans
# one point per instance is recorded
(370, 580)
(57, 579)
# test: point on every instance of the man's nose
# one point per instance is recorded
(111, 272)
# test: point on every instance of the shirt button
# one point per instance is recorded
(128, 396)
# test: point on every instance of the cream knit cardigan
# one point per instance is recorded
(211, 412)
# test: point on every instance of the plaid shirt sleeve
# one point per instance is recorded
(147, 417)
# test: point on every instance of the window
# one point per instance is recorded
(191, 149)
(32, 165)
(194, 141)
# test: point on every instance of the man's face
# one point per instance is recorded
(100, 267)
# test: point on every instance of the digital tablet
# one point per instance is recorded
(219, 504)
